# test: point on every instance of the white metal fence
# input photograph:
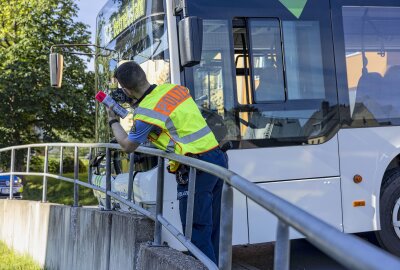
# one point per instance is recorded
(348, 250)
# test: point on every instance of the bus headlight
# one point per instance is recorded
(18, 181)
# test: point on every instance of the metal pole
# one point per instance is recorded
(190, 203)
(45, 170)
(76, 177)
(28, 160)
(130, 183)
(108, 178)
(159, 202)
(90, 169)
(12, 168)
(282, 247)
(225, 242)
(189, 245)
(61, 160)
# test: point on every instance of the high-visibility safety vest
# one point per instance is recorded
(183, 129)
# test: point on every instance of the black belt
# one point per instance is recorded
(202, 154)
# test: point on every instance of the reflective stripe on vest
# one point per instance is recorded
(171, 127)
(171, 108)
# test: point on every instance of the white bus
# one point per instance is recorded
(308, 92)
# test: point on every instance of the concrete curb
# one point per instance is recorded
(161, 258)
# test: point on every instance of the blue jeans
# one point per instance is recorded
(207, 206)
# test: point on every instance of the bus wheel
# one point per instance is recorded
(389, 235)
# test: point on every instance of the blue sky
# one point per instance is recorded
(87, 13)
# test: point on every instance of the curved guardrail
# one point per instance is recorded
(347, 250)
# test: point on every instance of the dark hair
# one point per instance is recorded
(130, 75)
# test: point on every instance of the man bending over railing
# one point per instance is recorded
(167, 116)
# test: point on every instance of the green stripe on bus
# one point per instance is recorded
(296, 7)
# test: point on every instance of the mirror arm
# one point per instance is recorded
(83, 45)
(184, 9)
(56, 60)
(181, 6)
(79, 53)
(90, 54)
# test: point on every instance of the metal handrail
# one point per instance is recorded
(347, 250)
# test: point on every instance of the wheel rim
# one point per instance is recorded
(395, 218)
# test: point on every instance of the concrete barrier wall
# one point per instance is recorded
(23, 226)
(64, 237)
(78, 238)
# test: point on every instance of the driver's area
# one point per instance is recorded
(266, 81)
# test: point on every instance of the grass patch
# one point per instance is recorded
(58, 191)
(14, 261)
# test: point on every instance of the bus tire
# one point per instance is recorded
(389, 235)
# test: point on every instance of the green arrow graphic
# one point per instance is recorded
(294, 6)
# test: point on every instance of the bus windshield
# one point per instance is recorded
(134, 30)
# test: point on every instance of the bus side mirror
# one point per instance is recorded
(190, 31)
(56, 69)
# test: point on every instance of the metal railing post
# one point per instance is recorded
(90, 169)
(45, 170)
(28, 160)
(282, 247)
(225, 243)
(61, 160)
(76, 177)
(190, 203)
(130, 183)
(108, 178)
(12, 169)
(159, 202)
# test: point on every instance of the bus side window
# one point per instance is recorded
(261, 39)
(266, 60)
(372, 46)
(241, 80)
(212, 80)
(277, 102)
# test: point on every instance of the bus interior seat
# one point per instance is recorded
(270, 87)
(369, 93)
(368, 87)
(391, 87)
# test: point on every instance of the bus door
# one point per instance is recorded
(367, 50)
(267, 76)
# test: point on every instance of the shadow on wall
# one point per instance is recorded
(64, 237)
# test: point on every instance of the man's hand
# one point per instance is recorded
(111, 114)
(120, 134)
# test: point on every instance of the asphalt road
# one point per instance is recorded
(303, 257)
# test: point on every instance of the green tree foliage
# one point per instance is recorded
(30, 110)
